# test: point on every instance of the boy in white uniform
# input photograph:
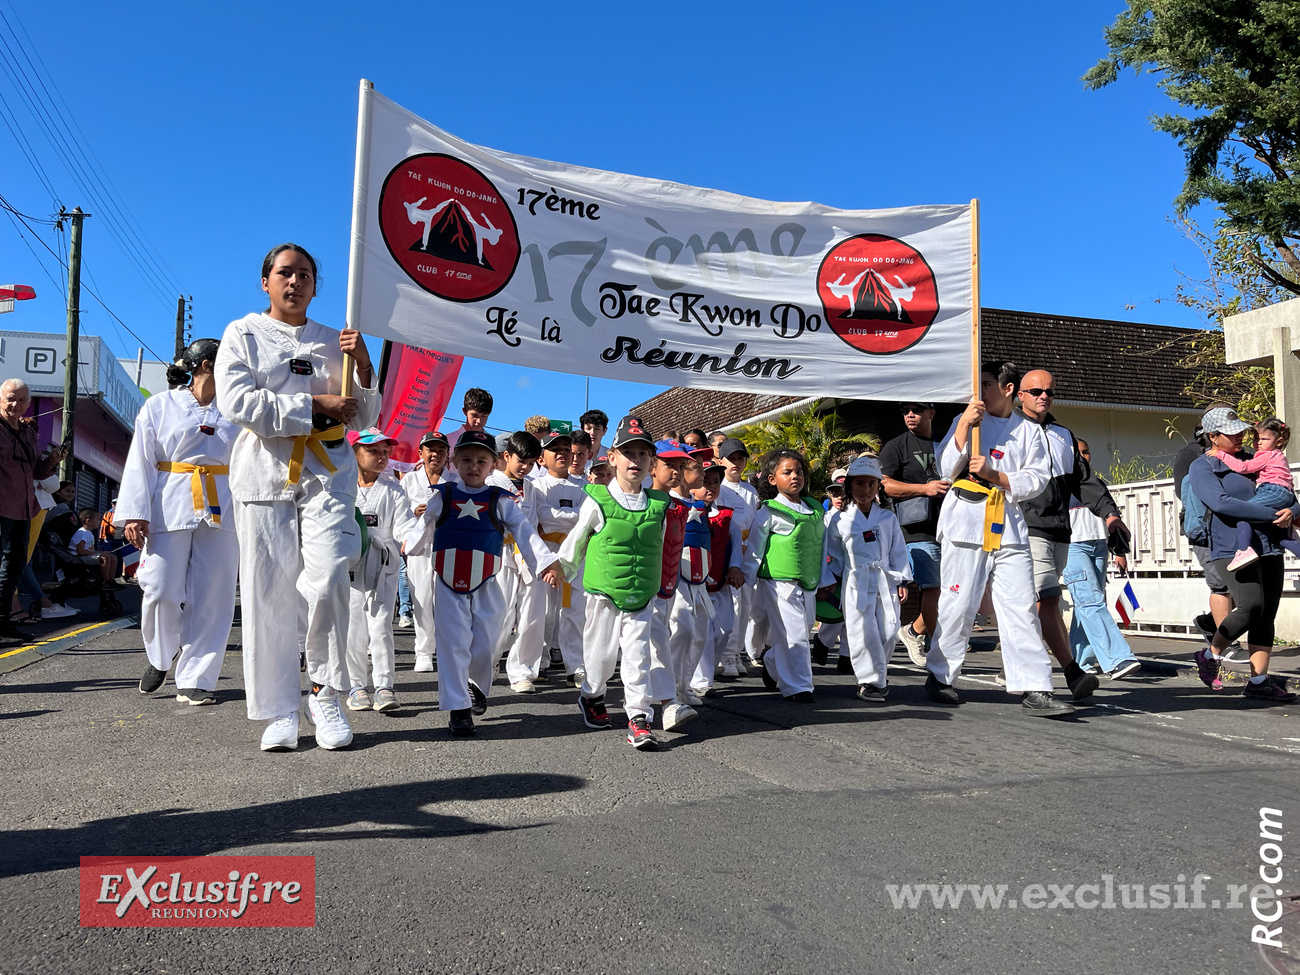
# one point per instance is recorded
(866, 551)
(388, 520)
(622, 567)
(739, 495)
(829, 633)
(170, 506)
(555, 501)
(293, 481)
(985, 542)
(418, 487)
(725, 576)
(465, 524)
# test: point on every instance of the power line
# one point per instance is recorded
(11, 123)
(5, 205)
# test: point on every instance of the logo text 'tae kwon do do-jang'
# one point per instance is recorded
(878, 293)
(251, 892)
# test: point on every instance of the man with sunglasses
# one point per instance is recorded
(912, 482)
(1048, 518)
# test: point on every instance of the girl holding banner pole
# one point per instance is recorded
(293, 480)
(985, 543)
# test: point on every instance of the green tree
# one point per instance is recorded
(1235, 64)
(819, 436)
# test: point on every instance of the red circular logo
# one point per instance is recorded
(878, 293)
(448, 227)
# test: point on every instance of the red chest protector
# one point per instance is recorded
(719, 548)
(674, 538)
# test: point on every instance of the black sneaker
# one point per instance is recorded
(462, 723)
(939, 692)
(873, 694)
(152, 680)
(541, 677)
(768, 680)
(1272, 689)
(639, 736)
(1082, 684)
(557, 659)
(479, 699)
(844, 665)
(1206, 626)
(593, 711)
(1041, 704)
(802, 697)
(820, 652)
(574, 679)
(195, 696)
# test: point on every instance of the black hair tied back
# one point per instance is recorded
(180, 373)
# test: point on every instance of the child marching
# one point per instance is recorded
(173, 495)
(867, 553)
(724, 576)
(419, 487)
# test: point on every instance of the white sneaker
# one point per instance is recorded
(676, 715)
(405, 622)
(281, 734)
(692, 697)
(57, 612)
(730, 665)
(423, 664)
(326, 713)
(524, 686)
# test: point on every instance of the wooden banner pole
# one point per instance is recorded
(975, 314)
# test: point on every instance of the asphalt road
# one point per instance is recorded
(761, 840)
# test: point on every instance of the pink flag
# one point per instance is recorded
(417, 387)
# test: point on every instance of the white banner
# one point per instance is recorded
(542, 264)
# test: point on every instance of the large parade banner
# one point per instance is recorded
(542, 264)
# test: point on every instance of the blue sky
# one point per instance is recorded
(224, 129)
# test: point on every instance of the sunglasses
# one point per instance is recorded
(914, 408)
(1036, 391)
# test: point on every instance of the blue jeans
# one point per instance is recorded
(403, 592)
(29, 585)
(924, 557)
(1094, 636)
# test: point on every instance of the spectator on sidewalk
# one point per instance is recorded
(23, 465)
(1220, 600)
(1257, 588)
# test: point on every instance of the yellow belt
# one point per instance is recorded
(995, 511)
(203, 485)
(312, 442)
(566, 587)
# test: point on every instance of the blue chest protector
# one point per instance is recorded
(469, 539)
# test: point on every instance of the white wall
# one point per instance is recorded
(1127, 433)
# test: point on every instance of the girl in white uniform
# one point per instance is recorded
(387, 516)
(293, 481)
(866, 550)
(739, 495)
(786, 558)
(418, 486)
(174, 505)
(985, 543)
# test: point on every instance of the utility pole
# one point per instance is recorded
(74, 338)
(180, 325)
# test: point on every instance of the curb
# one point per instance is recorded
(20, 657)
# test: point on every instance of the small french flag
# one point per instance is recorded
(1127, 604)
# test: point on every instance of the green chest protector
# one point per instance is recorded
(794, 545)
(625, 558)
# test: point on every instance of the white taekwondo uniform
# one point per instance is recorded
(295, 517)
(419, 570)
(867, 552)
(1013, 446)
(514, 575)
(469, 623)
(554, 504)
(745, 641)
(388, 518)
(175, 478)
(713, 634)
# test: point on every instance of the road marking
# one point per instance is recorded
(42, 649)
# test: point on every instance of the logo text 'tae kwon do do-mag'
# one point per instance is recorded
(250, 891)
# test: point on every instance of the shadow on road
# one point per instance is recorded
(389, 811)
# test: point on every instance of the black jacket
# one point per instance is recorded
(1048, 514)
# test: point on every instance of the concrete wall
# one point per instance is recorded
(1127, 433)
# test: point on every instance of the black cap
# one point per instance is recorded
(915, 402)
(732, 446)
(477, 438)
(432, 437)
(630, 430)
(549, 440)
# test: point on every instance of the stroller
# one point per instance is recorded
(73, 578)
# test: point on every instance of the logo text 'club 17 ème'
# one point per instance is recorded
(249, 892)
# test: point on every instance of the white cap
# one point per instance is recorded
(865, 467)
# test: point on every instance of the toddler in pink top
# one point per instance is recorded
(1274, 487)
